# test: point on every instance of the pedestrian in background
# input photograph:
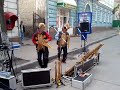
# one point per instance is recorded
(22, 31)
(38, 38)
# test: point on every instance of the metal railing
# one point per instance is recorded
(6, 58)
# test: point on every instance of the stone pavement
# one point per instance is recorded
(27, 52)
(105, 75)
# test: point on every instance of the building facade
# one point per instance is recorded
(58, 12)
(32, 12)
(26, 12)
(61, 12)
(102, 15)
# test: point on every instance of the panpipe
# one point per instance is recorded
(84, 58)
(58, 73)
(65, 39)
(42, 42)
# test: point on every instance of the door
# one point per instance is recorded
(70, 31)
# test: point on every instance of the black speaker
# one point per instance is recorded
(84, 27)
(36, 77)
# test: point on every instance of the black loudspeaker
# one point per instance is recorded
(36, 78)
(84, 27)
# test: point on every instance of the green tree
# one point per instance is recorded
(2, 20)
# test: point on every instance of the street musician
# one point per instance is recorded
(63, 39)
(40, 38)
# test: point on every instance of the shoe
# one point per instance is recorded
(63, 61)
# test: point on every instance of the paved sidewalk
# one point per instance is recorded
(27, 52)
(103, 77)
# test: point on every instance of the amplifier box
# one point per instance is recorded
(81, 82)
(8, 82)
(36, 77)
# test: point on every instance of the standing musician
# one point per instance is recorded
(40, 38)
(63, 39)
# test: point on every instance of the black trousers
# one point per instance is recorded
(64, 52)
(43, 57)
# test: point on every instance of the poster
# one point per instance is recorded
(85, 21)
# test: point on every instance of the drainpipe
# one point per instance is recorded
(18, 20)
(2, 22)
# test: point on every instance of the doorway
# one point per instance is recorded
(63, 17)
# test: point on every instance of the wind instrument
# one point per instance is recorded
(63, 37)
(58, 73)
(87, 56)
(65, 40)
(42, 42)
(91, 53)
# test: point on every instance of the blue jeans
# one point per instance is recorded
(21, 36)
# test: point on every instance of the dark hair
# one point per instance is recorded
(21, 21)
(64, 27)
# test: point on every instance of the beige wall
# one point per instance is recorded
(40, 11)
(41, 8)
(26, 9)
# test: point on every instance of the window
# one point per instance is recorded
(62, 17)
(108, 17)
(111, 18)
(101, 15)
(96, 13)
(104, 16)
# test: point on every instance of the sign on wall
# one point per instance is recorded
(85, 20)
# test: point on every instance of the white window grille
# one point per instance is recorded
(96, 13)
(101, 15)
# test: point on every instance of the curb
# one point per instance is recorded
(34, 63)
